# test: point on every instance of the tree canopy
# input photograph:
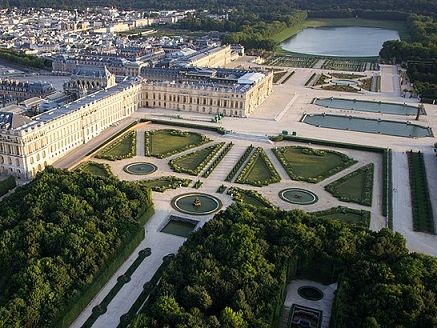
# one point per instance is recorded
(56, 233)
(233, 272)
(419, 55)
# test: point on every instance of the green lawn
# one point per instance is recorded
(194, 162)
(346, 215)
(311, 165)
(400, 26)
(356, 187)
(98, 169)
(123, 147)
(249, 197)
(259, 171)
(163, 183)
(164, 143)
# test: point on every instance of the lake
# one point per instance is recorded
(340, 41)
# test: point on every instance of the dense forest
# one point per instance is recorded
(57, 234)
(427, 7)
(233, 271)
(420, 56)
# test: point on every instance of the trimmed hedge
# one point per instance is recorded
(423, 219)
(105, 153)
(212, 150)
(218, 159)
(239, 163)
(310, 79)
(346, 161)
(172, 183)
(238, 196)
(7, 184)
(172, 132)
(328, 143)
(148, 288)
(103, 166)
(107, 141)
(219, 130)
(366, 193)
(121, 281)
(243, 177)
(346, 210)
(387, 190)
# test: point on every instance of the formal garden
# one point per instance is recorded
(310, 164)
(217, 160)
(240, 163)
(355, 187)
(350, 64)
(99, 169)
(292, 61)
(194, 162)
(249, 197)
(164, 183)
(167, 142)
(423, 217)
(346, 215)
(259, 170)
(121, 148)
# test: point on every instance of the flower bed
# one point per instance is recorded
(259, 171)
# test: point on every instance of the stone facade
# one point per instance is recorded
(20, 91)
(27, 145)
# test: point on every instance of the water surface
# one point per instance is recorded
(340, 41)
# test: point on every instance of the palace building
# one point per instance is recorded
(20, 91)
(28, 144)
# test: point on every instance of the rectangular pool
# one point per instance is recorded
(179, 226)
(351, 123)
(367, 106)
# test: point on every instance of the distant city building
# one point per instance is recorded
(19, 91)
(86, 80)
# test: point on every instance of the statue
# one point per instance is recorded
(197, 202)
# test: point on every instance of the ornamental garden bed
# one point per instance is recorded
(240, 162)
(421, 202)
(217, 160)
(193, 163)
(355, 187)
(250, 197)
(259, 171)
(167, 142)
(341, 88)
(163, 183)
(99, 169)
(347, 215)
(311, 165)
(121, 148)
